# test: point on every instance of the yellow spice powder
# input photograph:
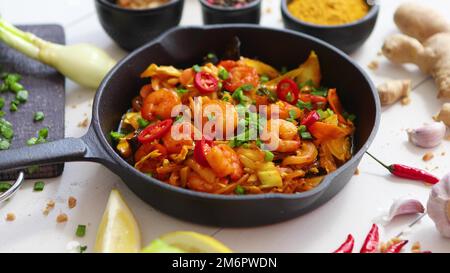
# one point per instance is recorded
(328, 12)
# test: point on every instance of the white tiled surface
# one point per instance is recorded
(322, 230)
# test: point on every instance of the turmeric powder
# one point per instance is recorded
(328, 12)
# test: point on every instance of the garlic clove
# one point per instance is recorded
(428, 136)
(438, 206)
(404, 207)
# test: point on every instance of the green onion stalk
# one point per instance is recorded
(85, 64)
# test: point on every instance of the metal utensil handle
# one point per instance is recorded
(14, 188)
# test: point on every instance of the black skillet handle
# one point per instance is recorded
(63, 150)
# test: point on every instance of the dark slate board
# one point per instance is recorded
(46, 93)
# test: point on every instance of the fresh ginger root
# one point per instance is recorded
(393, 91)
(444, 114)
(425, 42)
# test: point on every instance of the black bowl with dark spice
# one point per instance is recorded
(231, 11)
(347, 37)
(132, 26)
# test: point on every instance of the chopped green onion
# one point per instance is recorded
(22, 96)
(289, 97)
(116, 136)
(3, 87)
(322, 91)
(239, 96)
(223, 74)
(197, 68)
(13, 107)
(143, 123)
(264, 79)
(81, 231)
(6, 129)
(292, 115)
(4, 186)
(2, 102)
(182, 91)
(306, 135)
(39, 116)
(2, 113)
(32, 141)
(16, 87)
(39, 186)
(178, 118)
(4, 144)
(304, 105)
(12, 78)
(239, 190)
(266, 92)
(268, 156)
(348, 116)
(43, 133)
(247, 87)
(325, 114)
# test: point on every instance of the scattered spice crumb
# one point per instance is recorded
(416, 248)
(72, 202)
(385, 246)
(428, 156)
(373, 65)
(405, 100)
(62, 218)
(50, 205)
(357, 171)
(447, 138)
(84, 123)
(443, 154)
(10, 217)
(74, 106)
(380, 53)
(269, 10)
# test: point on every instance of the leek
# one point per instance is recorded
(85, 64)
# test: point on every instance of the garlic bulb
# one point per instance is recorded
(438, 206)
(428, 136)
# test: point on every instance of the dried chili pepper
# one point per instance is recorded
(347, 246)
(397, 247)
(407, 172)
(372, 240)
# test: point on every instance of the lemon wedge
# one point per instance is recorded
(186, 241)
(118, 231)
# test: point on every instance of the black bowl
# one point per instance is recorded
(281, 48)
(213, 14)
(347, 37)
(131, 28)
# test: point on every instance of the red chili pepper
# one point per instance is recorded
(372, 240)
(347, 246)
(205, 82)
(287, 90)
(154, 131)
(311, 118)
(397, 247)
(407, 172)
(202, 147)
(312, 98)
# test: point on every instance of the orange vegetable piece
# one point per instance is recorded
(336, 105)
(324, 131)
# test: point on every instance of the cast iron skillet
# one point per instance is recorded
(183, 47)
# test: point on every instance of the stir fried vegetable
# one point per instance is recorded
(236, 127)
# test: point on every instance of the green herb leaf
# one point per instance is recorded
(239, 190)
(39, 186)
(81, 231)
(39, 116)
